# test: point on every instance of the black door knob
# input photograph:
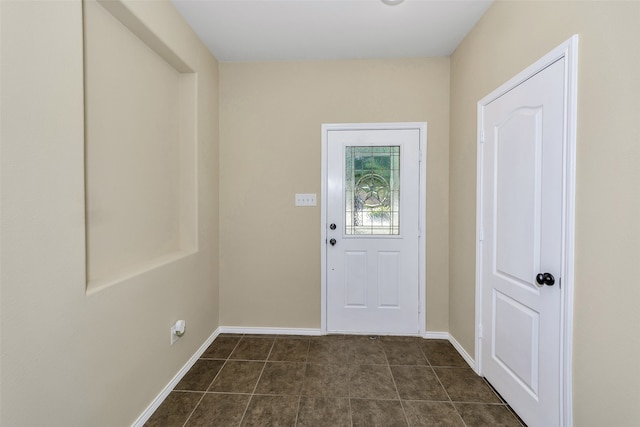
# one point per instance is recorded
(332, 226)
(333, 242)
(545, 279)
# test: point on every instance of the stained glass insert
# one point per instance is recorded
(372, 190)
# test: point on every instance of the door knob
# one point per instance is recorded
(545, 279)
(332, 226)
(333, 242)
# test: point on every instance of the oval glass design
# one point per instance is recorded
(372, 190)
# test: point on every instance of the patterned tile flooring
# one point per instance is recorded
(333, 380)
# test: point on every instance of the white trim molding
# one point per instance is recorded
(270, 331)
(466, 356)
(568, 51)
(242, 330)
(422, 127)
(155, 404)
(430, 335)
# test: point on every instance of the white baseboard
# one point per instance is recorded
(144, 417)
(436, 335)
(269, 331)
(462, 352)
(155, 404)
(447, 336)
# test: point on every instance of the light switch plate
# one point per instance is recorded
(306, 199)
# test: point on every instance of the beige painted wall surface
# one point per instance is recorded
(132, 169)
(270, 149)
(68, 358)
(511, 36)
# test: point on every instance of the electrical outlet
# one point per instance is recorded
(174, 337)
(306, 199)
(177, 330)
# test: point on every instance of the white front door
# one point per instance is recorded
(372, 230)
(521, 244)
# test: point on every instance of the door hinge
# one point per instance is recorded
(480, 330)
(481, 234)
(481, 136)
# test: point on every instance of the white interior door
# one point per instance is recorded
(521, 249)
(372, 220)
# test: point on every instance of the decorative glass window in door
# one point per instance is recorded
(372, 190)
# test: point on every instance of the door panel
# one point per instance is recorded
(521, 213)
(389, 279)
(517, 200)
(356, 278)
(516, 343)
(373, 199)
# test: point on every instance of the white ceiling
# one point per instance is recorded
(276, 30)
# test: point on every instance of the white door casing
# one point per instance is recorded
(526, 176)
(373, 283)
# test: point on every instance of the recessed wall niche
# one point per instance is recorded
(140, 142)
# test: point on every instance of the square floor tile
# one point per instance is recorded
(443, 353)
(323, 412)
(290, 350)
(253, 348)
(237, 377)
(327, 351)
(219, 410)
(418, 383)
(271, 411)
(421, 413)
(365, 352)
(368, 413)
(463, 385)
(480, 415)
(174, 410)
(371, 382)
(326, 380)
(403, 353)
(200, 375)
(221, 347)
(282, 378)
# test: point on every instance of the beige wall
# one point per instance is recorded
(509, 37)
(106, 355)
(270, 115)
(139, 151)
(69, 358)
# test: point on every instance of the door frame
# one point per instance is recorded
(569, 51)
(422, 203)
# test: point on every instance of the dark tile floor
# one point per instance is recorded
(334, 380)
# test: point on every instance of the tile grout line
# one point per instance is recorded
(350, 372)
(504, 402)
(395, 385)
(442, 385)
(349, 396)
(258, 382)
(211, 383)
(450, 400)
(295, 422)
(426, 357)
(348, 351)
(304, 376)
